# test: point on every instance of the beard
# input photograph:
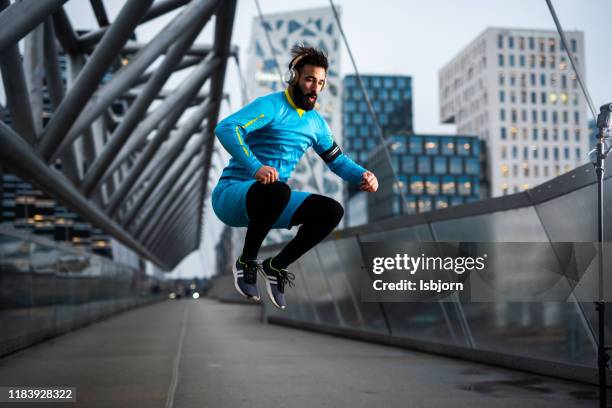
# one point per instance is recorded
(301, 99)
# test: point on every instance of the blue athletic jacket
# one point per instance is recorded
(273, 131)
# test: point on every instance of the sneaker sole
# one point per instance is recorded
(235, 272)
(269, 290)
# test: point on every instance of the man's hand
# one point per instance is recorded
(369, 182)
(266, 175)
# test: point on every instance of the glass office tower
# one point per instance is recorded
(433, 172)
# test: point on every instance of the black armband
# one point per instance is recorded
(330, 154)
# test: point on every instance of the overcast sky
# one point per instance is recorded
(412, 37)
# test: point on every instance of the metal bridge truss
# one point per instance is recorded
(141, 176)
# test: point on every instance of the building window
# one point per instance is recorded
(456, 165)
(553, 98)
(555, 153)
(534, 116)
(510, 42)
(504, 187)
(500, 60)
(408, 164)
(441, 202)
(501, 96)
(534, 98)
(576, 118)
(440, 165)
(423, 165)
(503, 133)
(416, 145)
(544, 134)
(464, 186)
(501, 78)
(448, 185)
(472, 166)
(502, 115)
(566, 153)
(464, 147)
(504, 170)
(577, 135)
(525, 153)
(432, 185)
(531, 43)
(535, 133)
(448, 146)
(577, 153)
(511, 58)
(566, 135)
(534, 152)
(544, 116)
(500, 41)
(525, 170)
(522, 60)
(431, 146)
(573, 44)
(514, 152)
(416, 185)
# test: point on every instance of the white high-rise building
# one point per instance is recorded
(313, 27)
(516, 89)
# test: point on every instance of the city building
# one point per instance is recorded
(516, 90)
(314, 27)
(391, 98)
(433, 172)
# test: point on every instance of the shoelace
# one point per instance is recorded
(250, 271)
(285, 277)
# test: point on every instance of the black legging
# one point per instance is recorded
(318, 216)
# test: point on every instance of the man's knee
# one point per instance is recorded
(335, 211)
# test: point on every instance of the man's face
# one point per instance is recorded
(306, 90)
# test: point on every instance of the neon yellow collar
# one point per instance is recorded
(288, 95)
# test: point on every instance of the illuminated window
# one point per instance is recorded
(416, 185)
(505, 171)
(504, 188)
(448, 185)
(432, 185)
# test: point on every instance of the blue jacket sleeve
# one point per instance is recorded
(337, 161)
(232, 131)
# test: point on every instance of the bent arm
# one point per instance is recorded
(232, 131)
(338, 162)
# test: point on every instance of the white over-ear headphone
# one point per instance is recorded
(292, 74)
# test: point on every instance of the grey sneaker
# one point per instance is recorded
(275, 282)
(245, 278)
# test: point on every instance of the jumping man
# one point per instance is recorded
(266, 139)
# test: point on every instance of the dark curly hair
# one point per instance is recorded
(313, 56)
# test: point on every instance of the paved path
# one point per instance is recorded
(202, 353)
